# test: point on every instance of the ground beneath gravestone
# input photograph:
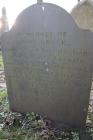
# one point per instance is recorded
(30, 126)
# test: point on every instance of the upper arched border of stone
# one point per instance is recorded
(44, 17)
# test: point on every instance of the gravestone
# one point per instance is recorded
(83, 14)
(48, 65)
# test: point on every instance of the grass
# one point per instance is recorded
(18, 134)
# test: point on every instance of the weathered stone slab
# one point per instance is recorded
(48, 65)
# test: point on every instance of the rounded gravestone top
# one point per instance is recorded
(44, 17)
(83, 14)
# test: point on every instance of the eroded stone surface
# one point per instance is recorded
(48, 65)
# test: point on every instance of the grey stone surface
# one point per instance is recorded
(83, 14)
(48, 65)
(39, 1)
